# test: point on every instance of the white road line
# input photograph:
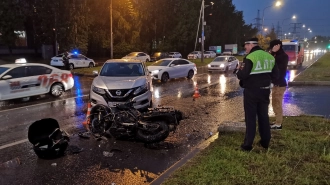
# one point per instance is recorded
(43, 103)
(13, 144)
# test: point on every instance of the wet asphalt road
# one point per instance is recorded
(131, 162)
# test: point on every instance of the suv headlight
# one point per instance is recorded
(98, 90)
(222, 65)
(141, 89)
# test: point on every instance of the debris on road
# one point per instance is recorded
(10, 164)
(107, 154)
(74, 149)
(85, 135)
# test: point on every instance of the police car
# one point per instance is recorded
(23, 79)
(76, 60)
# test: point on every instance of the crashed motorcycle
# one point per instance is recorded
(124, 121)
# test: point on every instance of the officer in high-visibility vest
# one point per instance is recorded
(255, 74)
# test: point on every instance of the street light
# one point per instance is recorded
(203, 23)
(293, 17)
(278, 3)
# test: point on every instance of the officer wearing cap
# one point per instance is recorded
(281, 60)
(255, 74)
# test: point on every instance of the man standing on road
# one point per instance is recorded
(66, 61)
(281, 60)
(255, 74)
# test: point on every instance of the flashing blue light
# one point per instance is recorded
(75, 52)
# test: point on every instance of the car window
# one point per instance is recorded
(81, 56)
(175, 62)
(220, 59)
(60, 55)
(161, 63)
(73, 56)
(142, 54)
(3, 69)
(122, 69)
(38, 70)
(17, 72)
(183, 62)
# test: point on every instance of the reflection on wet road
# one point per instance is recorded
(131, 163)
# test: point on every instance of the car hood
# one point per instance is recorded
(106, 82)
(152, 68)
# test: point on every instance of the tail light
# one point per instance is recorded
(70, 75)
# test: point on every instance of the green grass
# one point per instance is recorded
(298, 154)
(319, 71)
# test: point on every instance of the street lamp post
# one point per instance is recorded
(202, 41)
(293, 17)
(111, 35)
(278, 3)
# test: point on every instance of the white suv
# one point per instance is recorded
(120, 81)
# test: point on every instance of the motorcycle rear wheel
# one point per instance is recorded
(158, 131)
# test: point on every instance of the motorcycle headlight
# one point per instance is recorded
(141, 89)
(98, 90)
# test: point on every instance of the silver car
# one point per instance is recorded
(223, 63)
(120, 81)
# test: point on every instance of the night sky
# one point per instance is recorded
(314, 14)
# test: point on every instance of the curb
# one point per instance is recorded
(309, 83)
(160, 179)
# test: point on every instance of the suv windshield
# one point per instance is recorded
(3, 69)
(122, 69)
(288, 47)
(161, 63)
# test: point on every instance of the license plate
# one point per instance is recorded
(55, 60)
(113, 104)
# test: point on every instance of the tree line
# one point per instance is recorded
(138, 25)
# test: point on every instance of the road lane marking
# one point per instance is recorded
(13, 144)
(43, 103)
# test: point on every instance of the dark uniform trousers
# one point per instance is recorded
(256, 102)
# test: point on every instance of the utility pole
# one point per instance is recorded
(295, 27)
(202, 57)
(111, 35)
(258, 24)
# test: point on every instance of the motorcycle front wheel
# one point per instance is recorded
(155, 132)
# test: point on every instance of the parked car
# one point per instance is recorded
(138, 56)
(209, 54)
(175, 55)
(227, 52)
(242, 53)
(75, 61)
(168, 68)
(20, 80)
(158, 55)
(223, 63)
(194, 55)
(121, 80)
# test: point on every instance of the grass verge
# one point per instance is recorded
(299, 154)
(319, 71)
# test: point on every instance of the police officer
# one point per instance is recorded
(66, 61)
(255, 74)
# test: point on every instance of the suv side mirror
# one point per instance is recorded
(95, 73)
